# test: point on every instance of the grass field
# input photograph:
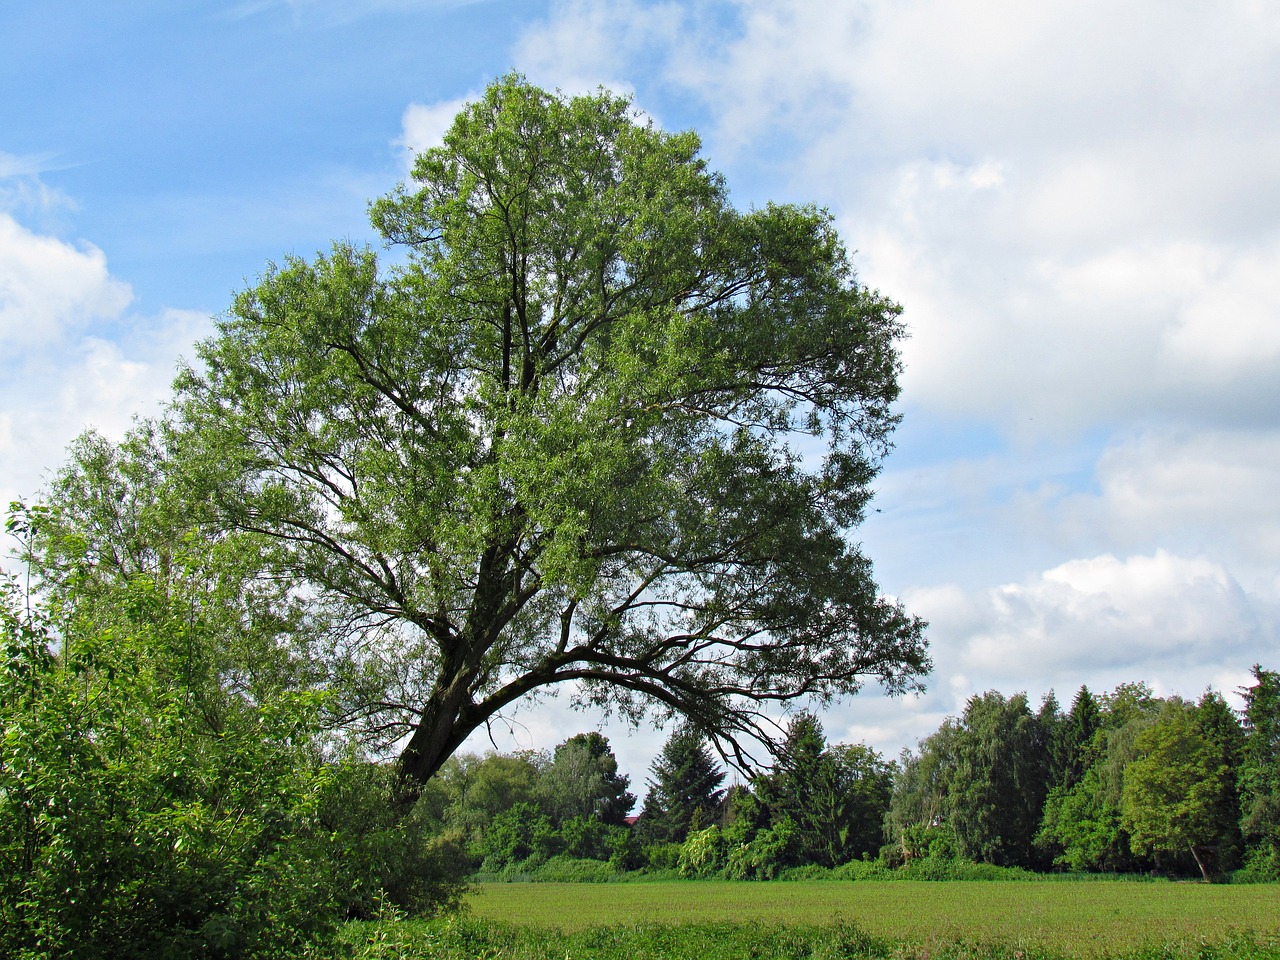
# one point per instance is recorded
(1079, 919)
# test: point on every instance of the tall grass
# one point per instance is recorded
(475, 939)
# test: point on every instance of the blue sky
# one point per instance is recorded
(1076, 204)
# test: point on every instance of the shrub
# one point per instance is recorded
(662, 856)
(770, 851)
(702, 853)
(130, 826)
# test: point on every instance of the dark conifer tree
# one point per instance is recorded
(1259, 776)
(684, 789)
(1082, 723)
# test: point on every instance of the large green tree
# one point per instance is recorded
(1172, 799)
(593, 427)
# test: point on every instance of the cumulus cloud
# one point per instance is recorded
(424, 125)
(584, 45)
(47, 397)
(48, 287)
(1179, 622)
(72, 355)
(1060, 195)
(1208, 491)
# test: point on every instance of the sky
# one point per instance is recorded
(1076, 204)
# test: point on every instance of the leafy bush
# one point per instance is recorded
(132, 827)
(516, 835)
(1261, 866)
(146, 810)
(935, 868)
(702, 853)
(662, 856)
(585, 838)
(377, 856)
(769, 852)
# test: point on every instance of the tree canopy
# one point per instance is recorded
(592, 427)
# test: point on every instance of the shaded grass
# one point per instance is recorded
(1062, 917)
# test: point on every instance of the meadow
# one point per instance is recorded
(1051, 918)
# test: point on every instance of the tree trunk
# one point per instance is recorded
(1201, 862)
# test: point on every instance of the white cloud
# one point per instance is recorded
(1212, 492)
(1076, 204)
(50, 396)
(584, 45)
(1179, 622)
(48, 287)
(424, 125)
(71, 355)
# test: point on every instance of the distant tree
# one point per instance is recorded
(1172, 790)
(1082, 827)
(1259, 773)
(1055, 736)
(1080, 726)
(835, 795)
(920, 803)
(516, 834)
(998, 786)
(482, 787)
(1220, 726)
(684, 788)
(1128, 702)
(582, 780)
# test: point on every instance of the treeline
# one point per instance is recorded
(1122, 782)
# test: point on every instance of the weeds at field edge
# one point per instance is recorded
(466, 938)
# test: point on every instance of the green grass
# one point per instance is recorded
(1062, 918)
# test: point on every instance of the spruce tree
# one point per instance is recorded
(684, 789)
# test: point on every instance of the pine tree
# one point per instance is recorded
(684, 790)
(1259, 777)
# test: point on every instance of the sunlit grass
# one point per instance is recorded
(1072, 918)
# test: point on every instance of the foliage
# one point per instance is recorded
(684, 788)
(582, 781)
(474, 790)
(702, 853)
(837, 795)
(517, 835)
(920, 801)
(997, 787)
(1259, 772)
(1171, 801)
(555, 446)
(1220, 726)
(166, 780)
(765, 855)
(129, 827)
(375, 855)
(1082, 827)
